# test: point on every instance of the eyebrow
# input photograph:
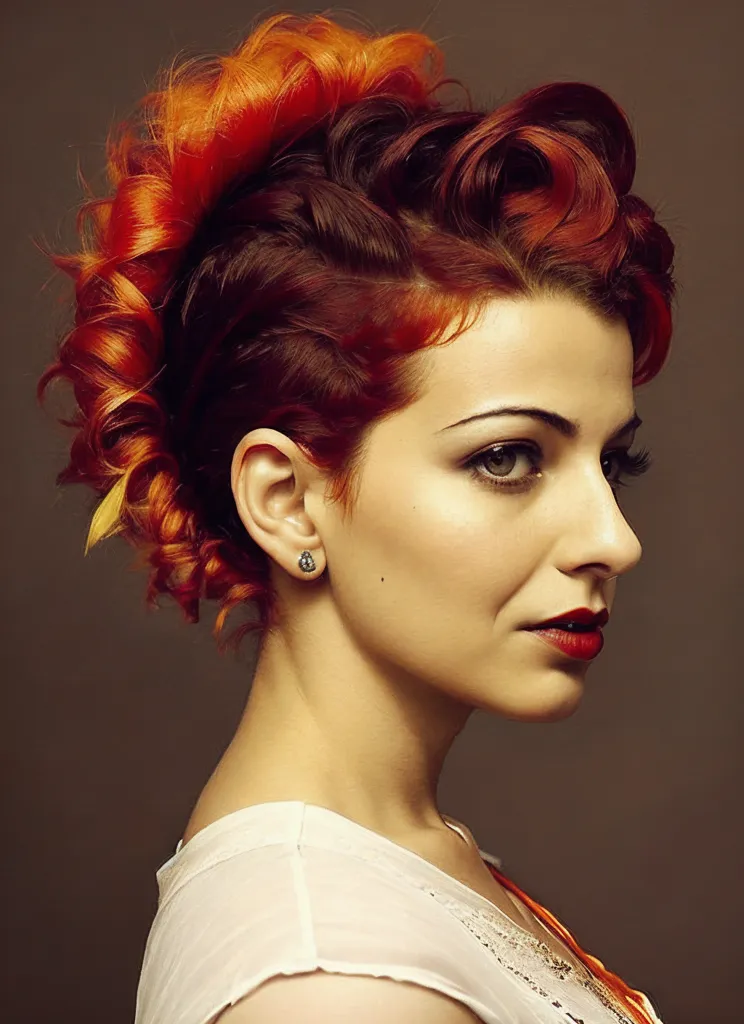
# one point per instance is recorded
(564, 426)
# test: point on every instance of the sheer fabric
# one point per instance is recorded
(289, 887)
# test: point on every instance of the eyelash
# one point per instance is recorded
(630, 464)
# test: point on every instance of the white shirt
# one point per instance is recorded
(289, 887)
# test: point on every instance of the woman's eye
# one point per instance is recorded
(496, 465)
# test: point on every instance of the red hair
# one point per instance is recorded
(287, 223)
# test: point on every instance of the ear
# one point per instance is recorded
(271, 480)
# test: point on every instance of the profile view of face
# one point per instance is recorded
(464, 534)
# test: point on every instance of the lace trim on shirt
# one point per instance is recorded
(533, 956)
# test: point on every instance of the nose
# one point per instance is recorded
(600, 537)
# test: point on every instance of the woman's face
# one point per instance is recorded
(440, 566)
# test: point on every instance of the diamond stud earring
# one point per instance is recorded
(307, 562)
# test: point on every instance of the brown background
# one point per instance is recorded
(626, 819)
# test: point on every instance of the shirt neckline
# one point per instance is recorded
(224, 822)
(456, 826)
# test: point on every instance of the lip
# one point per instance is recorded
(584, 616)
(583, 646)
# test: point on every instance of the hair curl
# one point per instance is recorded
(288, 223)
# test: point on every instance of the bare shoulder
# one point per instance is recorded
(325, 998)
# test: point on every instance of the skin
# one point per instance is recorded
(413, 616)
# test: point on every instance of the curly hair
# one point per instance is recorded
(287, 224)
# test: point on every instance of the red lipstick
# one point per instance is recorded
(577, 633)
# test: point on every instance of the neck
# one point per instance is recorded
(337, 731)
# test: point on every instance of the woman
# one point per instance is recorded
(366, 359)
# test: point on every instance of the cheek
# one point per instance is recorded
(430, 565)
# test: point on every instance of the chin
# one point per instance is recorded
(557, 714)
(552, 708)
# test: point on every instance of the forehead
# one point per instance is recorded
(547, 351)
